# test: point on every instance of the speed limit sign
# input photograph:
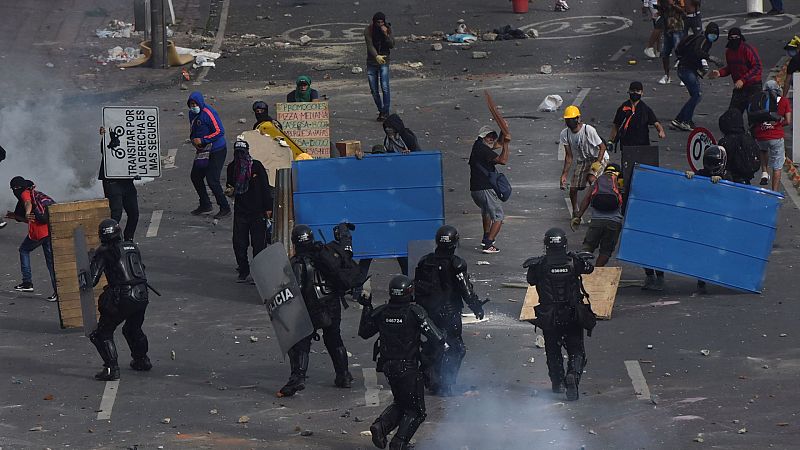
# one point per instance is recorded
(699, 139)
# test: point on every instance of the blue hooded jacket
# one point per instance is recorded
(206, 125)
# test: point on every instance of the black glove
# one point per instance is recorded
(364, 299)
(477, 308)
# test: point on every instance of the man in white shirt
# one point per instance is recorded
(582, 143)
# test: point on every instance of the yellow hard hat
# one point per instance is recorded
(794, 43)
(572, 112)
(303, 157)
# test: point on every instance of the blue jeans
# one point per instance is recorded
(25, 249)
(689, 78)
(380, 74)
(210, 174)
(671, 41)
(777, 5)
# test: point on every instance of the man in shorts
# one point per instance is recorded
(582, 143)
(606, 222)
(481, 162)
(769, 136)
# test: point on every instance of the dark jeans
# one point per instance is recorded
(211, 174)
(379, 75)
(25, 249)
(693, 24)
(248, 231)
(402, 261)
(692, 82)
(122, 195)
(740, 98)
(777, 5)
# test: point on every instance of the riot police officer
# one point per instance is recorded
(325, 309)
(442, 287)
(401, 324)
(561, 314)
(124, 299)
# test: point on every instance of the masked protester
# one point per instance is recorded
(399, 139)
(791, 48)
(632, 122)
(581, 142)
(442, 287)
(261, 112)
(124, 299)
(380, 41)
(673, 24)
(770, 134)
(605, 199)
(693, 53)
(561, 314)
(400, 325)
(303, 91)
(742, 149)
(744, 66)
(482, 161)
(208, 137)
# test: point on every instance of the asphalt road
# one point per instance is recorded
(742, 395)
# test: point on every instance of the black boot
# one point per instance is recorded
(298, 360)
(385, 424)
(108, 352)
(107, 374)
(557, 386)
(573, 378)
(555, 368)
(405, 431)
(141, 364)
(340, 364)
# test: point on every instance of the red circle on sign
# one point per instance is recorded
(695, 143)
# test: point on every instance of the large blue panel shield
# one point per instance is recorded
(721, 233)
(391, 198)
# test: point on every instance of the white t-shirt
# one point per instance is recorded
(585, 144)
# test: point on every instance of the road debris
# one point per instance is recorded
(699, 438)
(305, 40)
(480, 55)
(546, 69)
(489, 36)
(705, 352)
(437, 47)
(213, 412)
(551, 103)
(306, 433)
(356, 70)
(742, 431)
(482, 263)
(253, 339)
(366, 433)
(414, 65)
(115, 29)
(243, 419)
(539, 343)
(172, 355)
(166, 420)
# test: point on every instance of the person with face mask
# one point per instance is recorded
(261, 111)
(208, 138)
(582, 143)
(633, 120)
(769, 136)
(744, 66)
(399, 139)
(380, 41)
(794, 63)
(303, 92)
(693, 53)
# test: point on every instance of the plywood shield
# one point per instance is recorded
(271, 154)
(601, 285)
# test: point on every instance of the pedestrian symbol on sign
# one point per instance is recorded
(699, 139)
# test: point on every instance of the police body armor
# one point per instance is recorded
(317, 294)
(441, 282)
(560, 290)
(126, 274)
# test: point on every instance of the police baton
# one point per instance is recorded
(153, 289)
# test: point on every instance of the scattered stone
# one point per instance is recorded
(48, 397)
(546, 69)
(782, 424)
(699, 438)
(253, 339)
(765, 366)
(304, 39)
(50, 65)
(306, 433)
(242, 120)
(482, 263)
(539, 343)
(564, 426)
(234, 89)
(742, 431)
(357, 419)
(243, 419)
(415, 65)
(366, 433)
(783, 335)
(480, 55)
(36, 428)
(356, 69)
(166, 420)
(213, 412)
(489, 36)
(532, 360)
(488, 336)
(705, 352)
(457, 107)
(172, 355)
(532, 33)
(272, 83)
(649, 346)
(592, 432)
(436, 46)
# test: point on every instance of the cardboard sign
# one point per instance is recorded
(308, 124)
(699, 139)
(601, 285)
(138, 151)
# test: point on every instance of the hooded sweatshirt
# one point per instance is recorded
(742, 64)
(739, 144)
(403, 140)
(377, 42)
(206, 125)
(298, 96)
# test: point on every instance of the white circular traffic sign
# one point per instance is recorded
(699, 139)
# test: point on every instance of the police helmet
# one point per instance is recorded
(260, 105)
(555, 238)
(715, 159)
(401, 288)
(447, 237)
(337, 230)
(302, 235)
(109, 230)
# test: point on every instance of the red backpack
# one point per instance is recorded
(39, 202)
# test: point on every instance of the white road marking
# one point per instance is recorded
(155, 221)
(223, 22)
(169, 161)
(581, 96)
(372, 394)
(638, 380)
(620, 52)
(791, 191)
(107, 403)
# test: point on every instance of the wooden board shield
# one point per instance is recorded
(271, 154)
(501, 122)
(88, 306)
(601, 285)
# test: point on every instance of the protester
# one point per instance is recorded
(248, 182)
(650, 9)
(261, 111)
(744, 67)
(208, 137)
(769, 136)
(693, 53)
(633, 119)
(380, 41)
(742, 150)
(303, 91)
(794, 63)
(399, 139)
(673, 17)
(694, 20)
(482, 161)
(31, 207)
(605, 200)
(120, 192)
(582, 143)
(777, 7)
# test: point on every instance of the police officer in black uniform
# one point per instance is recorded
(324, 307)
(561, 314)
(442, 287)
(124, 299)
(401, 324)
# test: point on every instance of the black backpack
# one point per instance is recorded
(605, 194)
(763, 107)
(743, 155)
(429, 277)
(337, 265)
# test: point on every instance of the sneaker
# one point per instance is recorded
(53, 298)
(682, 84)
(222, 213)
(764, 179)
(202, 210)
(25, 286)
(650, 52)
(3, 224)
(141, 364)
(664, 80)
(774, 12)
(381, 117)
(491, 249)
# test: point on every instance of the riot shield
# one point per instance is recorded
(281, 294)
(88, 307)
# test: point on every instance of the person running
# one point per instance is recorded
(693, 53)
